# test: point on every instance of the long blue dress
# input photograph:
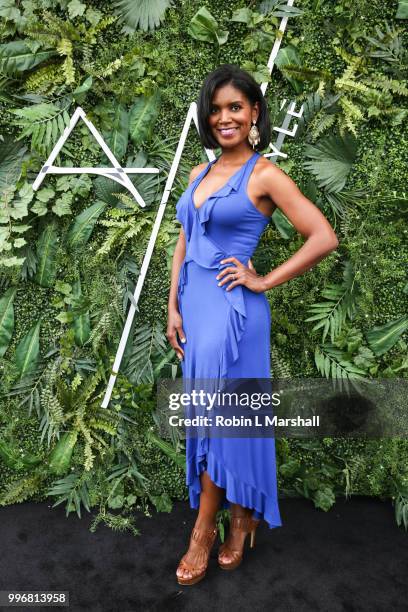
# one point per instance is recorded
(228, 336)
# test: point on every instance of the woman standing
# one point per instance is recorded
(217, 308)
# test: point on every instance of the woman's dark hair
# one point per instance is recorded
(224, 75)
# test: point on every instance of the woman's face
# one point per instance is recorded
(231, 116)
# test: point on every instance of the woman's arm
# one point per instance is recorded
(178, 256)
(306, 218)
(174, 321)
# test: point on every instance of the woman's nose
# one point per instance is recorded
(225, 117)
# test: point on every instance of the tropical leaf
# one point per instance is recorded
(141, 14)
(44, 122)
(279, 8)
(81, 228)
(47, 247)
(204, 27)
(340, 303)
(116, 133)
(61, 456)
(81, 322)
(167, 448)
(382, 338)
(333, 158)
(11, 158)
(12, 456)
(137, 362)
(105, 190)
(142, 117)
(283, 225)
(28, 350)
(17, 56)
(289, 56)
(402, 10)
(74, 490)
(80, 92)
(6, 319)
(334, 364)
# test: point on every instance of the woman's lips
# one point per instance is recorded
(228, 131)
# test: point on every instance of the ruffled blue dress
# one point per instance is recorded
(228, 336)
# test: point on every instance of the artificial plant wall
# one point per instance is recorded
(70, 253)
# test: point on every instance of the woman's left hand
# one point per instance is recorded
(240, 275)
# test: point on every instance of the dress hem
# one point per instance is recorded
(236, 492)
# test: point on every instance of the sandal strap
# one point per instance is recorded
(204, 538)
(244, 523)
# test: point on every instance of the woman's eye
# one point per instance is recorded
(237, 106)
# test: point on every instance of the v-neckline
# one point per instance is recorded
(211, 164)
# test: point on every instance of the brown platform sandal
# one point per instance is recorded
(206, 540)
(240, 523)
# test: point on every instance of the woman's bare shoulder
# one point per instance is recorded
(196, 171)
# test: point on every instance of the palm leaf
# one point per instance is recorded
(332, 159)
(140, 14)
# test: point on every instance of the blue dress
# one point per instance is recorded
(228, 336)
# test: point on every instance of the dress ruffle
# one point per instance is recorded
(236, 491)
(206, 253)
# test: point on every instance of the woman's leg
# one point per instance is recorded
(235, 539)
(210, 499)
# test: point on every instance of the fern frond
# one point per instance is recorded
(44, 122)
(340, 303)
(21, 490)
(45, 79)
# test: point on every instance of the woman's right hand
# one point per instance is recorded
(174, 326)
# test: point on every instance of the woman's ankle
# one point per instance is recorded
(205, 523)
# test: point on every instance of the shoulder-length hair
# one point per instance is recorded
(224, 75)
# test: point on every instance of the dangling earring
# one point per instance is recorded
(253, 135)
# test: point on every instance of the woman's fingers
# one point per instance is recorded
(251, 266)
(181, 334)
(172, 338)
(227, 279)
(229, 270)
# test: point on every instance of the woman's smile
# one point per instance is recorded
(228, 131)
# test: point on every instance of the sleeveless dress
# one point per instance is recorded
(227, 336)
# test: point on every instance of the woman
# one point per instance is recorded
(217, 308)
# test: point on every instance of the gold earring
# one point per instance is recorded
(253, 136)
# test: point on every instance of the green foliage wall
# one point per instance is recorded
(70, 253)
